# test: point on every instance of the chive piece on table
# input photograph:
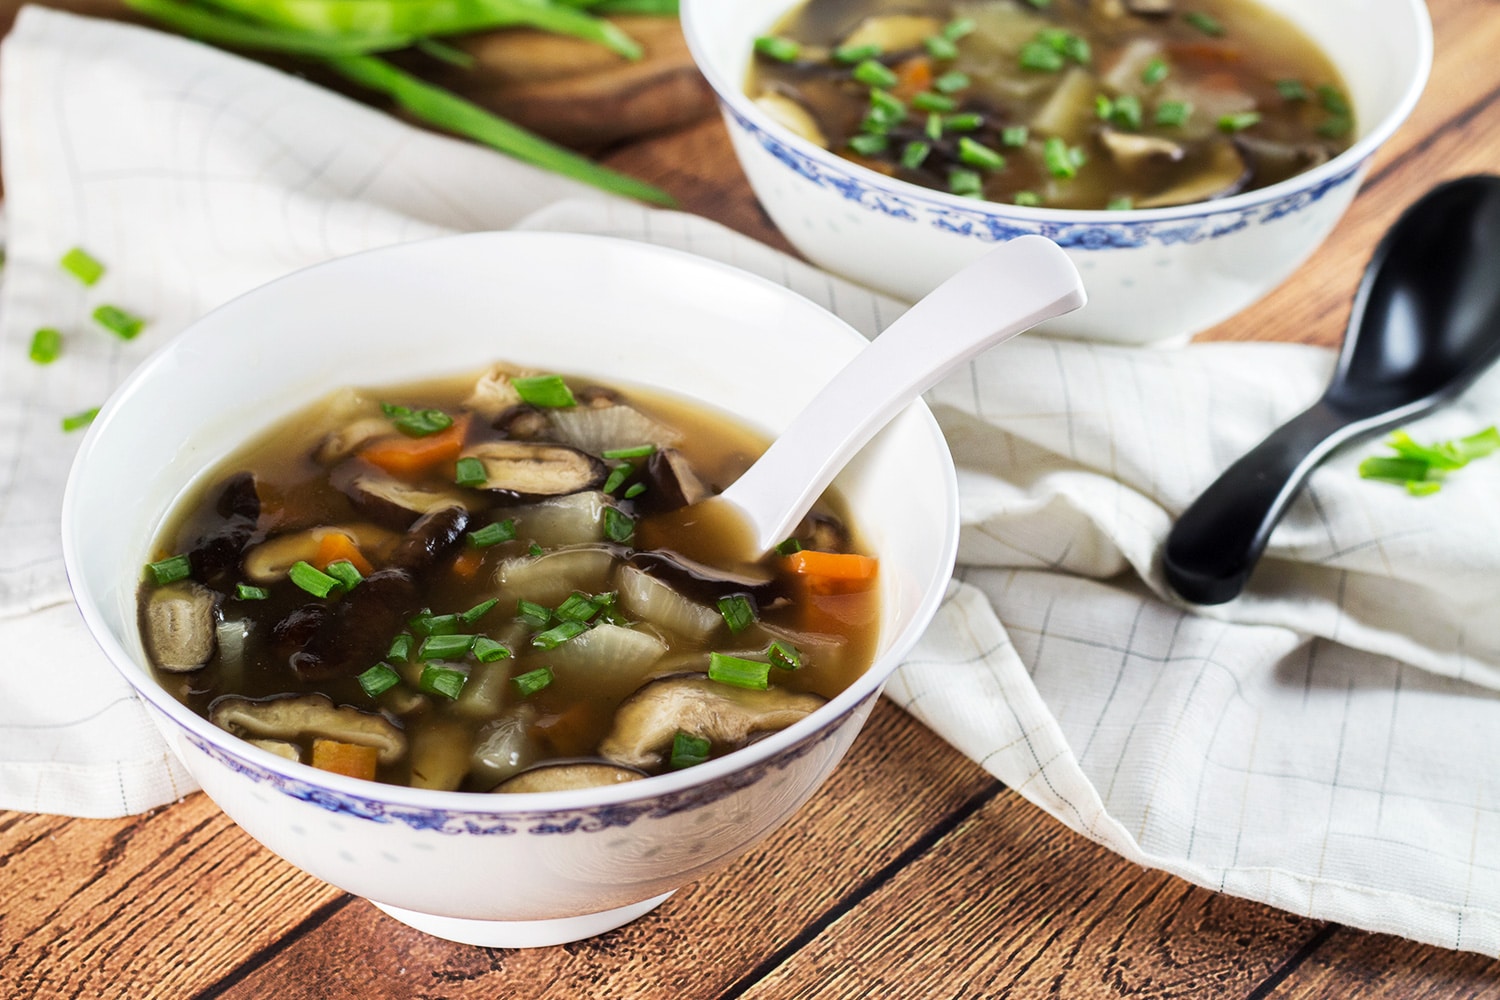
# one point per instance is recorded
(737, 612)
(739, 672)
(311, 579)
(446, 647)
(82, 266)
(532, 681)
(442, 680)
(547, 391)
(345, 572)
(79, 420)
(469, 471)
(378, 679)
(119, 322)
(169, 570)
(46, 345)
(493, 534)
(487, 650)
(688, 750)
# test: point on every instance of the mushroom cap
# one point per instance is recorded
(290, 717)
(567, 777)
(180, 627)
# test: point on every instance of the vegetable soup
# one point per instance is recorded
(472, 584)
(1074, 104)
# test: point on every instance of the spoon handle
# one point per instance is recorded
(1217, 541)
(1013, 287)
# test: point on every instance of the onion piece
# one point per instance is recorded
(644, 596)
(549, 578)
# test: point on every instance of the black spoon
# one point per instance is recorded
(1425, 324)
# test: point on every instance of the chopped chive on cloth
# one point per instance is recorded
(1326, 744)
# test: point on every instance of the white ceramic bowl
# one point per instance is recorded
(1152, 275)
(500, 870)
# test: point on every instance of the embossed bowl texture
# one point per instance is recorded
(500, 870)
(1156, 275)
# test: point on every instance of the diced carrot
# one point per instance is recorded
(409, 456)
(335, 546)
(912, 77)
(832, 565)
(468, 563)
(345, 758)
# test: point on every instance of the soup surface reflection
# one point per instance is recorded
(471, 584)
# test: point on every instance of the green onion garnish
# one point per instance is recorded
(170, 570)
(618, 475)
(379, 679)
(634, 490)
(1292, 90)
(1238, 122)
(783, 655)
(929, 101)
(578, 608)
(1423, 488)
(739, 672)
(639, 451)
(416, 423)
(967, 183)
(737, 611)
(46, 345)
(487, 650)
(311, 579)
(1103, 107)
(886, 108)
(446, 647)
(688, 750)
(1204, 23)
(789, 546)
(469, 471)
(965, 121)
(345, 572)
(914, 153)
(868, 145)
(79, 420)
(1124, 203)
(478, 611)
(82, 266)
(934, 127)
(119, 322)
(1397, 470)
(951, 82)
(493, 534)
(442, 680)
(777, 48)
(618, 526)
(247, 592)
(546, 391)
(427, 623)
(1027, 199)
(874, 73)
(1333, 101)
(533, 614)
(400, 647)
(1038, 55)
(978, 155)
(558, 634)
(1127, 112)
(1040, 4)
(851, 54)
(1173, 113)
(1335, 128)
(1061, 160)
(1155, 72)
(958, 28)
(1014, 135)
(534, 549)
(940, 47)
(532, 681)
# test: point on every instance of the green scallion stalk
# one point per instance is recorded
(442, 680)
(617, 476)
(868, 145)
(957, 28)
(1014, 136)
(739, 672)
(965, 121)
(783, 655)
(929, 101)
(1123, 203)
(401, 647)
(914, 154)
(578, 608)
(1478, 445)
(1059, 159)
(534, 549)
(445, 53)
(1204, 22)
(1292, 90)
(345, 572)
(46, 346)
(966, 183)
(205, 25)
(1103, 107)
(487, 650)
(618, 526)
(886, 108)
(378, 679)
(532, 681)
(1040, 57)
(951, 82)
(1238, 122)
(446, 647)
(934, 127)
(1333, 101)
(634, 490)
(1127, 112)
(549, 392)
(1423, 487)
(169, 570)
(78, 421)
(1027, 199)
(653, 8)
(874, 73)
(1397, 470)
(638, 451)
(737, 611)
(558, 634)
(1155, 72)
(1173, 114)
(688, 750)
(478, 611)
(417, 423)
(777, 49)
(851, 55)
(427, 623)
(940, 47)
(493, 534)
(978, 155)
(248, 592)
(82, 266)
(787, 547)
(469, 471)
(119, 322)
(311, 579)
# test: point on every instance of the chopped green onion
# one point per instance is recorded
(345, 572)
(1333, 101)
(170, 570)
(777, 48)
(1124, 203)
(1061, 161)
(978, 155)
(311, 579)
(929, 101)
(1204, 23)
(546, 391)
(1173, 113)
(470, 472)
(783, 655)
(639, 451)
(940, 47)
(1027, 199)
(119, 322)
(443, 52)
(533, 614)
(874, 73)
(400, 647)
(1397, 470)
(737, 611)
(958, 28)
(82, 266)
(416, 423)
(1038, 55)
(446, 647)
(914, 153)
(1076, 48)
(558, 634)
(442, 680)
(532, 681)
(789, 546)
(1127, 112)
(739, 672)
(868, 145)
(1014, 136)
(534, 549)
(934, 127)
(1155, 72)
(247, 592)
(951, 82)
(427, 623)
(851, 54)
(478, 611)
(578, 608)
(1335, 128)
(493, 534)
(966, 121)
(1292, 90)
(634, 490)
(618, 526)
(379, 679)
(487, 650)
(967, 183)
(1103, 107)
(1238, 122)
(1485, 442)
(79, 420)
(46, 345)
(1423, 488)
(886, 108)
(1040, 4)
(688, 750)
(617, 476)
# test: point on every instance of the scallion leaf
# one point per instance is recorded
(442, 680)
(534, 549)
(469, 471)
(1037, 55)
(913, 154)
(248, 592)
(638, 451)
(532, 681)
(964, 121)
(688, 750)
(849, 55)
(1027, 199)
(617, 476)
(78, 421)
(737, 611)
(533, 614)
(1059, 159)
(868, 145)
(378, 679)
(170, 570)
(1123, 203)
(1173, 113)
(427, 623)
(634, 490)
(578, 608)
(951, 82)
(558, 634)
(886, 108)
(487, 650)
(478, 611)
(446, 647)
(940, 47)
(874, 73)
(1155, 72)
(1238, 122)
(1205, 23)
(311, 579)
(119, 322)
(788, 546)
(345, 572)
(929, 101)
(1292, 90)
(777, 49)
(934, 127)
(46, 345)
(416, 423)
(82, 266)
(1014, 135)
(618, 526)
(959, 27)
(547, 391)
(401, 647)
(493, 534)
(964, 182)
(443, 52)
(783, 655)
(739, 672)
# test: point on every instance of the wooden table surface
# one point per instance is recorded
(912, 874)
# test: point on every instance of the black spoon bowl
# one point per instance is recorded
(1425, 324)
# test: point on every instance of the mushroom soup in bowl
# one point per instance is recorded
(532, 867)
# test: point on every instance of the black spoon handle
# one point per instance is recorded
(1217, 541)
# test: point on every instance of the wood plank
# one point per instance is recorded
(1351, 963)
(898, 782)
(159, 905)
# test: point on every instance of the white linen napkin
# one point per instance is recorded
(1323, 744)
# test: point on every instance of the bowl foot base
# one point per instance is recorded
(523, 933)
